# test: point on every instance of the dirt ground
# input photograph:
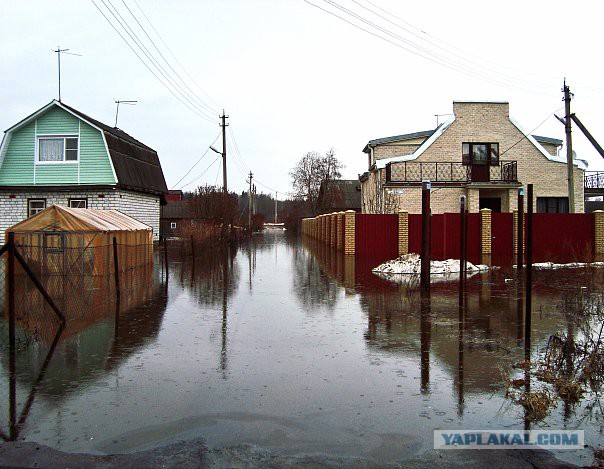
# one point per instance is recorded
(195, 454)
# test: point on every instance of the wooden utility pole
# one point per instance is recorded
(224, 125)
(569, 149)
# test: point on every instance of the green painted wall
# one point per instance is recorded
(93, 167)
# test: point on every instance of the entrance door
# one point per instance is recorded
(492, 203)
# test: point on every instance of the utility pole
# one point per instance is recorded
(224, 125)
(254, 199)
(249, 204)
(569, 149)
(275, 208)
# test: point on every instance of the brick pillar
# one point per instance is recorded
(403, 232)
(322, 227)
(339, 230)
(349, 232)
(599, 231)
(333, 226)
(485, 230)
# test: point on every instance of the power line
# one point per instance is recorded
(419, 50)
(198, 99)
(531, 132)
(215, 109)
(203, 172)
(197, 162)
(179, 98)
(143, 48)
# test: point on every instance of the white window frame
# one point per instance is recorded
(172, 225)
(57, 137)
(81, 199)
(37, 210)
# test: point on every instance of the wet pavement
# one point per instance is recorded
(287, 346)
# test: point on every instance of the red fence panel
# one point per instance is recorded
(415, 233)
(377, 235)
(502, 234)
(563, 237)
(474, 241)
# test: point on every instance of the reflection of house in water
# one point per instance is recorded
(93, 342)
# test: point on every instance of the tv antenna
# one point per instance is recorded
(117, 109)
(58, 52)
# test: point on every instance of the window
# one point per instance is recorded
(78, 203)
(172, 225)
(35, 206)
(480, 153)
(57, 149)
(552, 204)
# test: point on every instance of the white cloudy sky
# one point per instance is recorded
(294, 78)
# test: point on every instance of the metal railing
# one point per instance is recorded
(450, 172)
(594, 180)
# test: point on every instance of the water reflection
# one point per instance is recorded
(51, 362)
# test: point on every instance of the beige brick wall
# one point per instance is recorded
(489, 122)
(350, 232)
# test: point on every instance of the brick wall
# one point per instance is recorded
(143, 207)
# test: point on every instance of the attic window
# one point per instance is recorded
(480, 153)
(57, 149)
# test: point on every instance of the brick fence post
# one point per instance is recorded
(485, 230)
(339, 230)
(599, 231)
(332, 231)
(403, 232)
(349, 232)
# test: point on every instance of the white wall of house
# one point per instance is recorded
(143, 207)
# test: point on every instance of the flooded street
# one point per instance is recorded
(286, 345)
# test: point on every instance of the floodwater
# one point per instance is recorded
(286, 345)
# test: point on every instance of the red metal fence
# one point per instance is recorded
(377, 235)
(563, 237)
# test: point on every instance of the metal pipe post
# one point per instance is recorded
(520, 234)
(529, 273)
(426, 237)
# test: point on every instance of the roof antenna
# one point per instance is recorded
(58, 52)
(117, 109)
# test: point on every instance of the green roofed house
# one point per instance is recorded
(58, 155)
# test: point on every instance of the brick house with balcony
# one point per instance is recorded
(479, 152)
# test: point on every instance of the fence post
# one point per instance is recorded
(463, 255)
(426, 238)
(12, 337)
(339, 230)
(529, 274)
(520, 232)
(334, 226)
(485, 230)
(350, 232)
(403, 232)
(116, 269)
(599, 231)
(166, 257)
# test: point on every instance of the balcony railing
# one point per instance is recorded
(594, 182)
(451, 172)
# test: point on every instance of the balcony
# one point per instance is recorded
(593, 183)
(450, 173)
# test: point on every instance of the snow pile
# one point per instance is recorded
(411, 264)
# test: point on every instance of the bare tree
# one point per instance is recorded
(310, 172)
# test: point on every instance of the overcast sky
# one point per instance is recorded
(294, 78)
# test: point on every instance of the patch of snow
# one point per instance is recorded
(411, 264)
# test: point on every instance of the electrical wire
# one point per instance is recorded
(143, 48)
(186, 87)
(163, 83)
(409, 46)
(203, 172)
(197, 162)
(217, 106)
(531, 132)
